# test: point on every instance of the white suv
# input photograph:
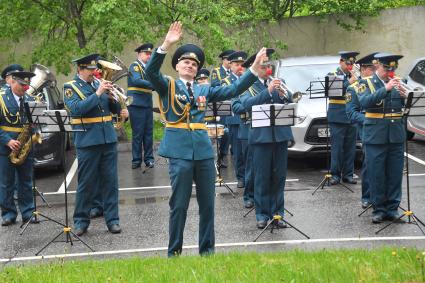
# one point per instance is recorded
(416, 79)
(310, 129)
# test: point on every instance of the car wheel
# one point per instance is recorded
(409, 135)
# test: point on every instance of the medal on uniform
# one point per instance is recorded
(201, 103)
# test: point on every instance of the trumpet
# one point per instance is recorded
(356, 71)
(285, 90)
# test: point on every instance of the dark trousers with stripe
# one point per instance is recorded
(141, 120)
(270, 163)
(182, 174)
(16, 177)
(385, 174)
(97, 169)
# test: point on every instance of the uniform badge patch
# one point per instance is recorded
(136, 68)
(68, 92)
(362, 88)
(214, 75)
(348, 97)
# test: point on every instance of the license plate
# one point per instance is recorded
(323, 132)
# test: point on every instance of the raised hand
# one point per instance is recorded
(173, 35)
(259, 59)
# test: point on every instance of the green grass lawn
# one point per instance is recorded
(158, 130)
(382, 265)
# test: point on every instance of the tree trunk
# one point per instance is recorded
(78, 22)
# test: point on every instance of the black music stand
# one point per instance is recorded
(213, 113)
(412, 218)
(59, 121)
(32, 111)
(35, 108)
(330, 87)
(274, 115)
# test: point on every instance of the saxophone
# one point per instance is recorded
(25, 138)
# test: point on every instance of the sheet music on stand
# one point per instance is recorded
(48, 120)
(36, 109)
(329, 86)
(222, 108)
(268, 115)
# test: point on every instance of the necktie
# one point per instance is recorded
(21, 106)
(189, 90)
(265, 83)
(228, 72)
(21, 109)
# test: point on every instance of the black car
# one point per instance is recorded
(51, 152)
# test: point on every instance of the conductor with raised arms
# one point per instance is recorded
(186, 142)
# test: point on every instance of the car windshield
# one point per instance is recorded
(418, 73)
(298, 77)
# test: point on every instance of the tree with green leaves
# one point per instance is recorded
(61, 30)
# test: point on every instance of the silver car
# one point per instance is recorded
(416, 79)
(310, 130)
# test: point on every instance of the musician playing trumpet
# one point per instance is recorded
(383, 137)
(269, 146)
(343, 132)
(91, 104)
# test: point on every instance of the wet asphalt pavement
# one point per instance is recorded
(326, 217)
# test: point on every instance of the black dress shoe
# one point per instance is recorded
(150, 164)
(281, 224)
(32, 220)
(114, 228)
(249, 204)
(135, 166)
(223, 161)
(261, 224)
(94, 213)
(8, 222)
(394, 217)
(333, 182)
(377, 218)
(80, 231)
(365, 204)
(240, 184)
(349, 181)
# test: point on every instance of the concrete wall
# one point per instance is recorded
(399, 31)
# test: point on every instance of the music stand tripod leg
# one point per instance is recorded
(366, 209)
(48, 244)
(321, 184)
(389, 224)
(41, 195)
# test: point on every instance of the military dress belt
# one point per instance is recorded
(383, 116)
(337, 101)
(140, 89)
(186, 126)
(11, 129)
(91, 120)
